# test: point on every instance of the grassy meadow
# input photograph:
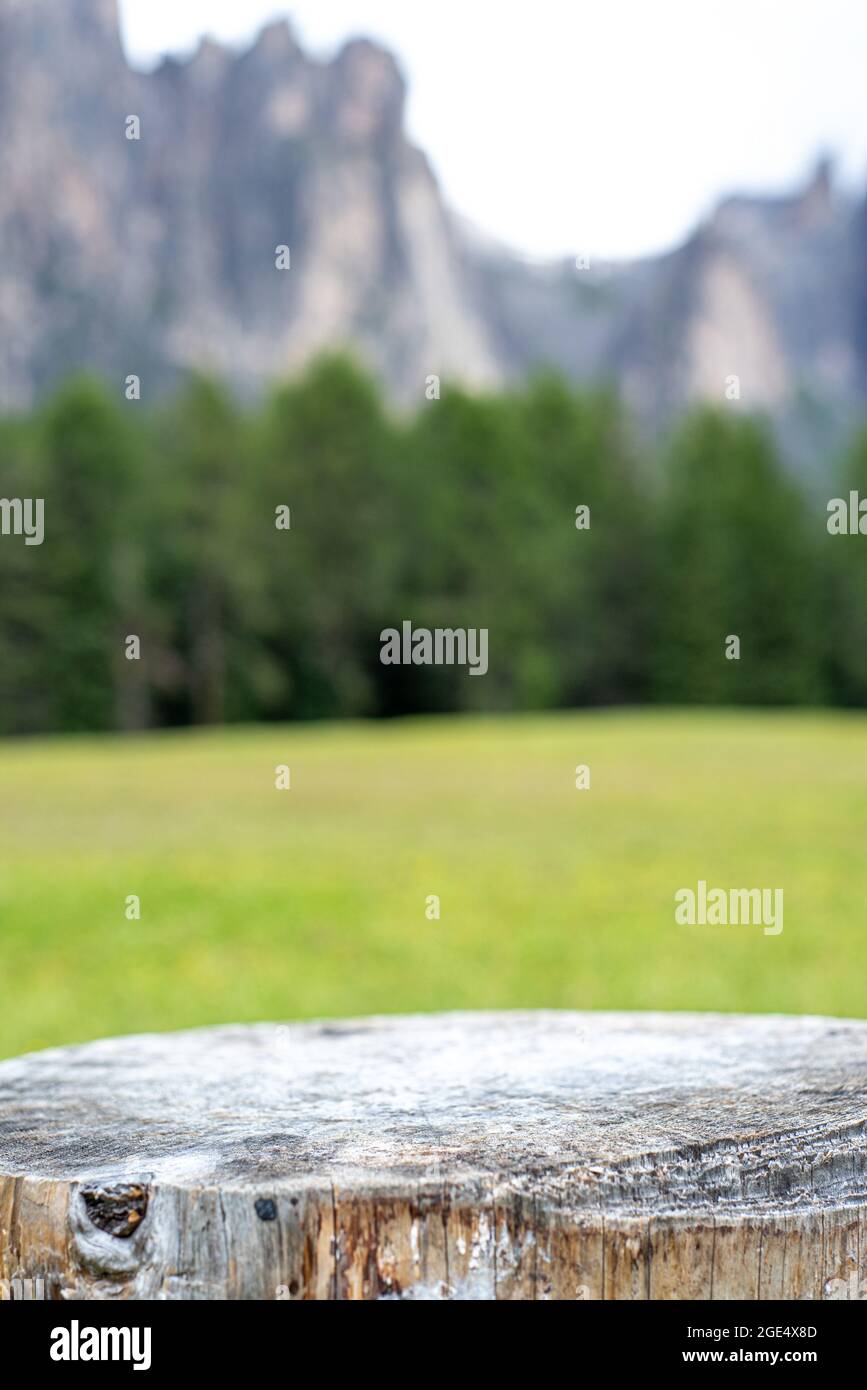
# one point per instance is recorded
(266, 904)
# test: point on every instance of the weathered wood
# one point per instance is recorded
(517, 1156)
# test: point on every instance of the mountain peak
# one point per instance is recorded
(369, 89)
(157, 255)
(278, 36)
(816, 201)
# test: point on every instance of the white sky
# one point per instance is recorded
(608, 127)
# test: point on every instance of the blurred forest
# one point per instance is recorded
(162, 523)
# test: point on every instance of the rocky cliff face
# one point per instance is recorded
(158, 254)
(770, 290)
(155, 255)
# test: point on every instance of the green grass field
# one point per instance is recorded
(259, 904)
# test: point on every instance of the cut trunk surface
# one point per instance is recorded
(510, 1155)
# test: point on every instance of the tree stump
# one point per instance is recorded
(513, 1155)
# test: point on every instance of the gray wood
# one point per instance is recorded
(510, 1155)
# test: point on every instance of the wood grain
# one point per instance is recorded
(474, 1156)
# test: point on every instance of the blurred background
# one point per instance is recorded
(460, 354)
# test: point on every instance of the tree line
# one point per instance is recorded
(256, 552)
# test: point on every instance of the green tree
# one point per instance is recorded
(88, 464)
(329, 456)
(204, 559)
(846, 568)
(736, 558)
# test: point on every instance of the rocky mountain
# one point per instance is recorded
(157, 254)
(769, 290)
